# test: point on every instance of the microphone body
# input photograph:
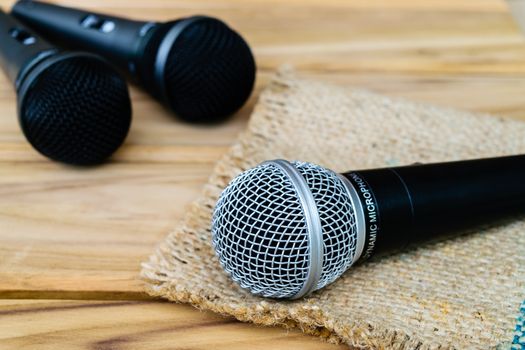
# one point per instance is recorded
(117, 39)
(418, 203)
(284, 230)
(73, 107)
(197, 66)
(19, 49)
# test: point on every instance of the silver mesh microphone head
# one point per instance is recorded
(283, 230)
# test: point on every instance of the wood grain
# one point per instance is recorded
(135, 325)
(69, 233)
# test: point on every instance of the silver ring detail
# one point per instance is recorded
(164, 52)
(359, 217)
(313, 224)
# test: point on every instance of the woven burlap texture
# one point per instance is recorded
(464, 293)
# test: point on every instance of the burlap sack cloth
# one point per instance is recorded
(463, 293)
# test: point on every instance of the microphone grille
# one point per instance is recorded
(261, 236)
(209, 72)
(259, 232)
(76, 111)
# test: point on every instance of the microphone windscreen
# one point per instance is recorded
(261, 232)
(209, 72)
(76, 111)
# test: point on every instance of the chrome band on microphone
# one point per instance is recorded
(315, 232)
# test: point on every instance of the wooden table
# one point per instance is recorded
(72, 240)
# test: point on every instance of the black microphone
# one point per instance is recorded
(284, 230)
(198, 66)
(72, 107)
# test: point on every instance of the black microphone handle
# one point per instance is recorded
(417, 203)
(118, 39)
(20, 49)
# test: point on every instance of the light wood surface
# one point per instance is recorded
(109, 325)
(72, 240)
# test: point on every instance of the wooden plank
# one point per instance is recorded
(88, 229)
(135, 325)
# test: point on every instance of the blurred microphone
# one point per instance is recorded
(198, 66)
(284, 230)
(72, 107)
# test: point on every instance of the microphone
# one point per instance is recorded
(284, 230)
(197, 66)
(72, 107)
